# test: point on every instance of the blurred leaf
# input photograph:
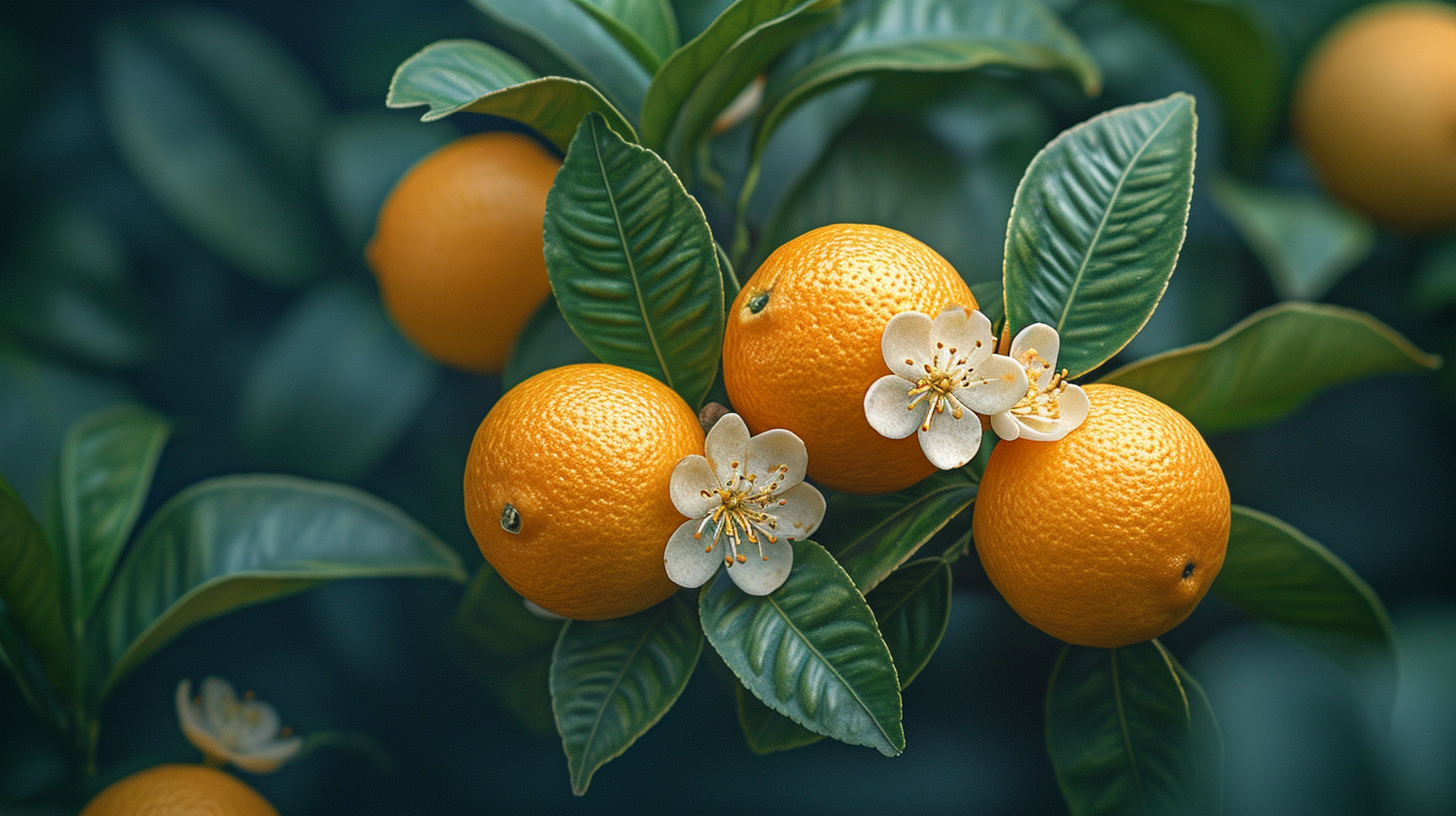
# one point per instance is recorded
(105, 471)
(990, 301)
(509, 649)
(766, 730)
(1096, 228)
(912, 606)
(30, 678)
(362, 157)
(233, 541)
(334, 388)
(574, 38)
(1306, 242)
(546, 342)
(1435, 283)
(1129, 732)
(646, 28)
(1271, 363)
(612, 680)
(810, 650)
(464, 75)
(222, 126)
(871, 536)
(1285, 579)
(633, 264)
(30, 585)
(1236, 54)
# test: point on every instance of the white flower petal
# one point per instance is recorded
(951, 442)
(1005, 425)
(259, 725)
(773, 448)
(540, 611)
(995, 386)
(195, 726)
(886, 406)
(727, 443)
(906, 344)
(690, 478)
(966, 335)
(761, 574)
(1048, 345)
(1073, 407)
(688, 561)
(268, 758)
(801, 512)
(219, 700)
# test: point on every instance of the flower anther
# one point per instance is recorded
(1051, 407)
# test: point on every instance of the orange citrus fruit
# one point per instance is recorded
(179, 790)
(1375, 111)
(1112, 534)
(803, 346)
(567, 488)
(458, 246)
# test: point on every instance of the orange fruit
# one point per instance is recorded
(1375, 111)
(803, 346)
(567, 488)
(179, 790)
(1112, 534)
(458, 247)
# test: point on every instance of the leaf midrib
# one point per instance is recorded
(1127, 734)
(582, 770)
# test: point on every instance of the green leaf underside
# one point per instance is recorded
(1238, 56)
(1096, 227)
(464, 75)
(912, 608)
(106, 468)
(633, 264)
(810, 650)
(612, 680)
(647, 30)
(1127, 734)
(546, 342)
(1271, 363)
(233, 541)
(1305, 241)
(1281, 577)
(508, 649)
(30, 585)
(871, 536)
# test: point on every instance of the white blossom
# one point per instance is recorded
(245, 732)
(1051, 406)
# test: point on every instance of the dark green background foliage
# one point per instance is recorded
(250, 325)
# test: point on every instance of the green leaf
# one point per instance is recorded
(29, 676)
(1237, 55)
(546, 342)
(508, 649)
(766, 730)
(871, 536)
(1306, 242)
(105, 471)
(912, 607)
(612, 680)
(573, 38)
(233, 541)
(222, 126)
(810, 650)
(1271, 363)
(334, 388)
(464, 75)
(1129, 732)
(1281, 577)
(646, 28)
(990, 300)
(362, 157)
(1096, 227)
(633, 263)
(1435, 284)
(30, 585)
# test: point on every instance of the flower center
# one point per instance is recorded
(743, 514)
(1040, 402)
(943, 375)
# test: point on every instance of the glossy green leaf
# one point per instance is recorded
(612, 680)
(334, 388)
(646, 28)
(1096, 228)
(633, 263)
(30, 585)
(105, 472)
(810, 650)
(1271, 363)
(233, 541)
(766, 730)
(1307, 242)
(912, 606)
(222, 126)
(1127, 734)
(464, 75)
(1283, 578)
(546, 342)
(508, 649)
(871, 536)
(362, 157)
(574, 38)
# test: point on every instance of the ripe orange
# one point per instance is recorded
(458, 248)
(803, 346)
(179, 790)
(567, 488)
(1375, 111)
(1111, 535)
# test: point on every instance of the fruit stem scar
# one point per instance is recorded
(511, 519)
(758, 300)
